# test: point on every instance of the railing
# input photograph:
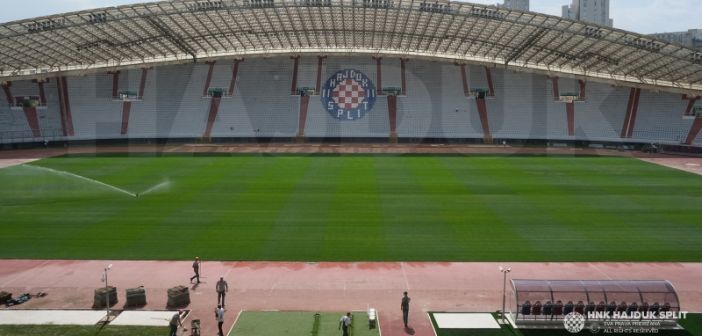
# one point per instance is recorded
(7, 137)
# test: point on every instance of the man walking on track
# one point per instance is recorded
(345, 324)
(196, 269)
(222, 289)
(219, 315)
(405, 309)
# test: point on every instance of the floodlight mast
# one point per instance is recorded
(504, 271)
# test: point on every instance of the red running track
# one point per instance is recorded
(324, 286)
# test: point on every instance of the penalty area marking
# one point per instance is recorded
(55, 317)
(465, 321)
(144, 318)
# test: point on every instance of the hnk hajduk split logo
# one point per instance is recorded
(348, 95)
(574, 322)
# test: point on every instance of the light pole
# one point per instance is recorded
(107, 292)
(504, 271)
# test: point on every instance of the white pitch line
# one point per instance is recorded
(601, 271)
(404, 275)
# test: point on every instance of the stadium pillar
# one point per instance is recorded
(115, 84)
(126, 111)
(214, 109)
(694, 131)
(392, 113)
(235, 73)
(631, 110)
(320, 62)
(691, 101)
(570, 111)
(211, 65)
(581, 93)
(403, 75)
(482, 110)
(142, 83)
(293, 82)
(8, 93)
(42, 92)
(31, 114)
(65, 107)
(491, 86)
(556, 90)
(304, 104)
(378, 76)
(464, 78)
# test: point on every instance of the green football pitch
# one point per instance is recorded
(350, 208)
(299, 323)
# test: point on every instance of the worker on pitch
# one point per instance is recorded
(196, 269)
(345, 324)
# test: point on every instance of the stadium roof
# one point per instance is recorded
(186, 31)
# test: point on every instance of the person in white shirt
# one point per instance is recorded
(219, 315)
(345, 323)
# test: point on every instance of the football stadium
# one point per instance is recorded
(491, 171)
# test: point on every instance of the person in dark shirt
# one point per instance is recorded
(196, 269)
(174, 323)
(405, 309)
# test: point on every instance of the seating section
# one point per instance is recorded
(13, 123)
(434, 106)
(517, 118)
(95, 114)
(261, 105)
(601, 115)
(660, 118)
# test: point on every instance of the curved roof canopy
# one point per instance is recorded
(185, 31)
(650, 291)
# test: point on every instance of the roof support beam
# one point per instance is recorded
(172, 37)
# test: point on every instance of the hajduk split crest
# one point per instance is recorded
(348, 95)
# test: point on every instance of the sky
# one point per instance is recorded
(641, 16)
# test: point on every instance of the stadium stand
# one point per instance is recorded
(260, 75)
(261, 105)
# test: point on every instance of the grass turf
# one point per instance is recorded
(53, 330)
(692, 327)
(298, 323)
(351, 208)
